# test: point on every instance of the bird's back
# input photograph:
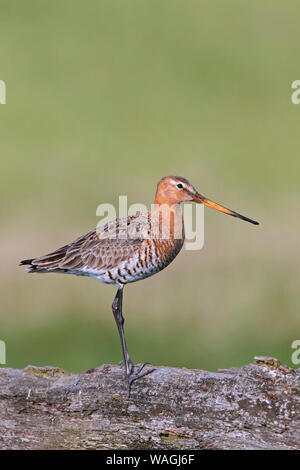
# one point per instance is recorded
(125, 250)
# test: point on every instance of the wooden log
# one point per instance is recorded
(252, 407)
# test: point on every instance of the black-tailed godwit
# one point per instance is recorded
(130, 249)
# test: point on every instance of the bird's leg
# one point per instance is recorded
(117, 311)
(130, 374)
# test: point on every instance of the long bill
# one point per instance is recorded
(207, 202)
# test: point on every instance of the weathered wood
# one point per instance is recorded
(252, 407)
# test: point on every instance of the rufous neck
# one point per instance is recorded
(164, 198)
(168, 219)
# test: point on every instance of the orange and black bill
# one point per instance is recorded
(203, 200)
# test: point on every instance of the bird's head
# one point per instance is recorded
(175, 189)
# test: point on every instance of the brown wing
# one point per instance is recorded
(96, 250)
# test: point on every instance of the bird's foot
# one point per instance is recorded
(136, 373)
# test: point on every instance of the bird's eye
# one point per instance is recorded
(179, 186)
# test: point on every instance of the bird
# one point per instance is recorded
(130, 249)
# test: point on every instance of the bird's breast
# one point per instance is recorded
(152, 256)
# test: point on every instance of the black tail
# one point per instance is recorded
(29, 262)
(26, 261)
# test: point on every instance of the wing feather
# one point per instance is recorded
(95, 250)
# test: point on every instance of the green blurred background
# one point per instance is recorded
(104, 97)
